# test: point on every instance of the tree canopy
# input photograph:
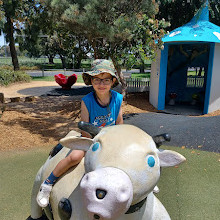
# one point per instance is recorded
(125, 31)
(9, 15)
(179, 12)
(115, 29)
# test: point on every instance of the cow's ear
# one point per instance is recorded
(76, 143)
(169, 158)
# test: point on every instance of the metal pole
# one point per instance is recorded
(5, 45)
(43, 67)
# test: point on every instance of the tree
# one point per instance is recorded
(5, 51)
(37, 30)
(45, 35)
(70, 47)
(214, 9)
(111, 27)
(12, 17)
(80, 50)
(10, 9)
(179, 12)
(1, 14)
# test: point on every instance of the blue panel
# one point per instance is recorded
(209, 78)
(163, 77)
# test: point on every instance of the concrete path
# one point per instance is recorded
(192, 132)
(33, 88)
(70, 72)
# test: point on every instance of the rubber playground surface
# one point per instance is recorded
(201, 133)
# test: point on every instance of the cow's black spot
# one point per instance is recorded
(55, 150)
(64, 209)
(96, 216)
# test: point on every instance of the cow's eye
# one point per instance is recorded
(95, 146)
(151, 161)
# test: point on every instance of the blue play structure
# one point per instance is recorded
(187, 71)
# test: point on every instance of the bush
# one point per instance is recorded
(9, 76)
(50, 66)
(8, 67)
(29, 68)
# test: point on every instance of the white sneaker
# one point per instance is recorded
(44, 195)
(156, 189)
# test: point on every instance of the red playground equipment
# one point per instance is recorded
(64, 81)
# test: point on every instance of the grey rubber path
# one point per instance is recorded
(192, 132)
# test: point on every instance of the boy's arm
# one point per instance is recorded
(120, 117)
(84, 117)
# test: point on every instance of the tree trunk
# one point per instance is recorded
(71, 63)
(12, 44)
(63, 60)
(77, 62)
(120, 76)
(50, 58)
(142, 67)
(95, 49)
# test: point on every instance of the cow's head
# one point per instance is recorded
(122, 167)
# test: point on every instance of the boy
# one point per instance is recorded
(102, 107)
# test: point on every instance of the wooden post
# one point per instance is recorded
(2, 99)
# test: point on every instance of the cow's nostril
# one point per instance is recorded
(100, 194)
(96, 216)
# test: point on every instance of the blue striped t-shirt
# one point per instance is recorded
(99, 115)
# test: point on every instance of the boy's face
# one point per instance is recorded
(102, 82)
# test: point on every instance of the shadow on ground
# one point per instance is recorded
(36, 91)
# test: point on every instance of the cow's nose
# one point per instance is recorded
(100, 194)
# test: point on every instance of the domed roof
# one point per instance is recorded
(198, 29)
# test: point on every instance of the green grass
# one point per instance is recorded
(193, 73)
(190, 191)
(140, 75)
(43, 78)
(23, 61)
(51, 78)
(41, 63)
(18, 170)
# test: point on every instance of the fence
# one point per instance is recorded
(137, 84)
(195, 82)
(143, 84)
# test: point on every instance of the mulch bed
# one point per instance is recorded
(48, 118)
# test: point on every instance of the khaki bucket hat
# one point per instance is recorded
(100, 66)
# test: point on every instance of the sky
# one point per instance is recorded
(1, 40)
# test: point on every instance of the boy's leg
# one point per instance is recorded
(71, 160)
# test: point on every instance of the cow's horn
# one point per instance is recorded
(159, 139)
(89, 128)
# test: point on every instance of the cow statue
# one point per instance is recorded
(115, 180)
